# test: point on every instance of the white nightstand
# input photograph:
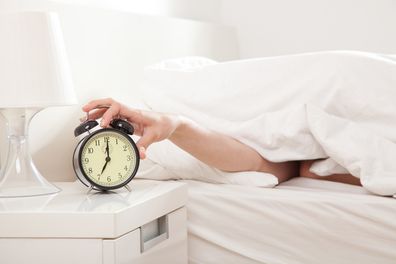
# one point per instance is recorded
(147, 225)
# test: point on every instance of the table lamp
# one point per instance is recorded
(34, 74)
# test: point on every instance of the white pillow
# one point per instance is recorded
(182, 64)
(165, 161)
(148, 169)
(181, 165)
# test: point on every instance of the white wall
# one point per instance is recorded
(206, 10)
(275, 27)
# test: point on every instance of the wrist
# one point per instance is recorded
(181, 126)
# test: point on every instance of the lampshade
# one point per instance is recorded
(34, 74)
(34, 71)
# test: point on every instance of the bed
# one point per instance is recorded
(300, 221)
(232, 217)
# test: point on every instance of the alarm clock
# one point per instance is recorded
(105, 158)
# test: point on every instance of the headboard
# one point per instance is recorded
(108, 51)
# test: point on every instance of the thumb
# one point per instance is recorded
(143, 143)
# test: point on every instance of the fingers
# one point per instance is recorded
(96, 114)
(114, 109)
(144, 142)
(138, 129)
(142, 153)
(96, 103)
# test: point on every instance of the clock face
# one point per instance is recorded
(109, 159)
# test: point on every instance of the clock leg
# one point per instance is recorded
(90, 189)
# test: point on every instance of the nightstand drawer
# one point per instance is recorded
(169, 245)
(50, 251)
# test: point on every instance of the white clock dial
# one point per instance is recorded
(109, 158)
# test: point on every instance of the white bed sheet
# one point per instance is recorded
(300, 221)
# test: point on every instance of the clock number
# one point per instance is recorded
(90, 150)
(97, 142)
(129, 158)
(126, 168)
(125, 147)
(119, 175)
(116, 141)
(98, 177)
(86, 160)
(106, 139)
(90, 170)
(108, 178)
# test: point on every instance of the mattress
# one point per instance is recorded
(301, 221)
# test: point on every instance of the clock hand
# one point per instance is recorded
(107, 158)
(104, 167)
(107, 150)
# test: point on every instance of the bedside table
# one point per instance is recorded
(146, 225)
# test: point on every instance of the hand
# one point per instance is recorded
(150, 126)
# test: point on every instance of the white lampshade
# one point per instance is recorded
(34, 71)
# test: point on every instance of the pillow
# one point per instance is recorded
(178, 164)
(166, 161)
(182, 64)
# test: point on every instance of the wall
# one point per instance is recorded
(205, 10)
(275, 27)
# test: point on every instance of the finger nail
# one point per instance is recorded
(142, 152)
(102, 123)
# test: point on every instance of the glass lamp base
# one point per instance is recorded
(19, 177)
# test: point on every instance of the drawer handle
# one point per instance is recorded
(153, 233)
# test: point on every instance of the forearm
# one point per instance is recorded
(224, 152)
(214, 149)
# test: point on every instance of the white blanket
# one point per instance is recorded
(336, 106)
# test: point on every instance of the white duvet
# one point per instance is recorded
(336, 106)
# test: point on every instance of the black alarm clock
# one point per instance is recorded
(105, 158)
